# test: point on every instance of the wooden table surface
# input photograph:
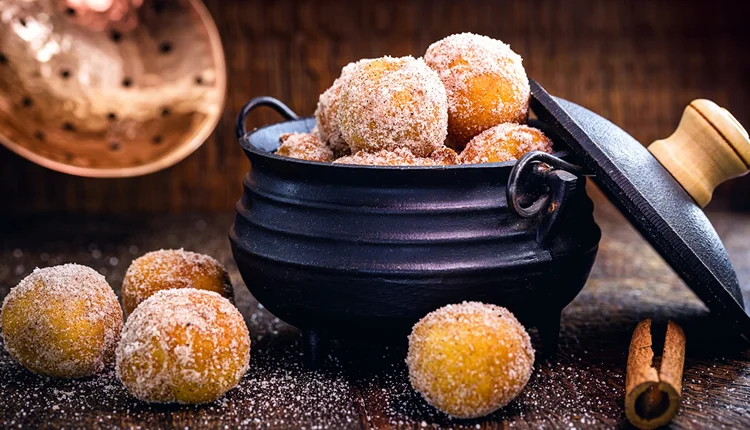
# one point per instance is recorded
(363, 386)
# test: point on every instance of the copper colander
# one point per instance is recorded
(105, 102)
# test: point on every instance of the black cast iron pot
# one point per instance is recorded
(366, 251)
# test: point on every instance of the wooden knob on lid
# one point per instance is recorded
(708, 147)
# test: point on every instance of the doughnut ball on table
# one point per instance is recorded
(391, 103)
(172, 268)
(469, 359)
(183, 346)
(326, 114)
(486, 84)
(62, 321)
(505, 142)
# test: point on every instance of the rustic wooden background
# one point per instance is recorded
(638, 63)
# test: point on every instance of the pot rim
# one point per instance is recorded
(250, 148)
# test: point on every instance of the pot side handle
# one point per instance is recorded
(252, 104)
(549, 181)
(708, 147)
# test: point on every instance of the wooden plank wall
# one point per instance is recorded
(638, 63)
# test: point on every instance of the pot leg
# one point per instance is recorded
(311, 348)
(549, 333)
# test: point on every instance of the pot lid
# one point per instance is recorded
(708, 147)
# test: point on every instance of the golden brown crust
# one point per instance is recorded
(485, 81)
(183, 345)
(449, 347)
(172, 268)
(505, 142)
(62, 321)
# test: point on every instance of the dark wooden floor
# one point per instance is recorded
(362, 386)
(638, 63)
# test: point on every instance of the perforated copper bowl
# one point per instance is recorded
(108, 103)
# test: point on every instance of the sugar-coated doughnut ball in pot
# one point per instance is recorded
(326, 113)
(391, 103)
(183, 346)
(62, 321)
(469, 359)
(486, 84)
(305, 146)
(505, 142)
(400, 157)
(172, 268)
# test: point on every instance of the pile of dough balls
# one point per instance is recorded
(469, 359)
(62, 321)
(469, 93)
(184, 340)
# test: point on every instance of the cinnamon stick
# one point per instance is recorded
(652, 397)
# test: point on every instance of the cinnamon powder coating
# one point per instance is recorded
(392, 103)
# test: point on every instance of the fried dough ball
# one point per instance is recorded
(62, 321)
(305, 146)
(326, 114)
(485, 81)
(184, 346)
(391, 103)
(469, 359)
(505, 142)
(172, 268)
(400, 157)
(445, 156)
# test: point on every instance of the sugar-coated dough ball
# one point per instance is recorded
(469, 359)
(172, 268)
(400, 157)
(505, 142)
(445, 156)
(326, 114)
(485, 80)
(62, 321)
(183, 346)
(305, 146)
(391, 103)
